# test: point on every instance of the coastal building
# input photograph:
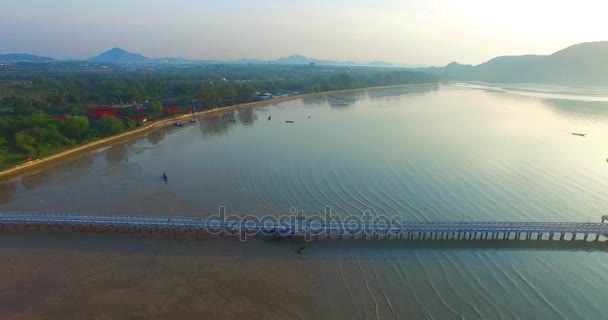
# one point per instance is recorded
(98, 112)
(95, 113)
(172, 109)
(263, 96)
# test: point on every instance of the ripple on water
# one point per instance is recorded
(460, 154)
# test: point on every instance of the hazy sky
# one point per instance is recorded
(422, 31)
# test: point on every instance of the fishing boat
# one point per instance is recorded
(579, 134)
(165, 178)
(289, 121)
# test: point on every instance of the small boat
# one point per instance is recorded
(308, 117)
(269, 117)
(178, 124)
(192, 121)
(165, 178)
(301, 249)
(290, 121)
(232, 120)
(579, 134)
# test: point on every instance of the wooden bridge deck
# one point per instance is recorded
(447, 230)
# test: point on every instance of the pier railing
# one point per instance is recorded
(309, 229)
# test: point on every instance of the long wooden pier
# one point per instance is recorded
(309, 229)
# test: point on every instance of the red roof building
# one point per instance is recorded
(172, 109)
(98, 112)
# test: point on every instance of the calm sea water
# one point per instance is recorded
(438, 152)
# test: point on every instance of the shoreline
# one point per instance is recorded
(47, 162)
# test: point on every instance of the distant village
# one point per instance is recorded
(280, 94)
(137, 111)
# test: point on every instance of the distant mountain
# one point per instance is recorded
(585, 63)
(117, 55)
(296, 59)
(248, 61)
(23, 57)
(120, 56)
(380, 64)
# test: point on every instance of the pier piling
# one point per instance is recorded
(412, 231)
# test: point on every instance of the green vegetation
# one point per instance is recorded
(38, 134)
(43, 105)
(110, 126)
(3, 149)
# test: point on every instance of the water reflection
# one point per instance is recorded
(348, 99)
(117, 154)
(335, 100)
(84, 161)
(400, 91)
(156, 136)
(314, 101)
(7, 191)
(219, 124)
(576, 107)
(247, 116)
(37, 179)
(344, 100)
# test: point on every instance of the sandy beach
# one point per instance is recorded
(77, 276)
(124, 276)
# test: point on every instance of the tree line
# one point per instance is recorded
(44, 112)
